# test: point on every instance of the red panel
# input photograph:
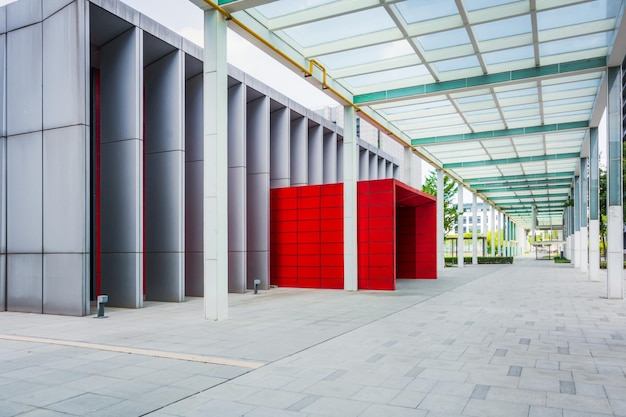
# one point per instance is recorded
(332, 224)
(332, 284)
(309, 191)
(380, 186)
(308, 261)
(332, 237)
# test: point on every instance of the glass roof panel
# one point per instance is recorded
(509, 55)
(340, 27)
(471, 5)
(365, 55)
(382, 76)
(575, 44)
(502, 28)
(419, 11)
(578, 13)
(285, 7)
(457, 64)
(532, 91)
(445, 39)
(571, 86)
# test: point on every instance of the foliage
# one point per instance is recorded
(559, 260)
(450, 214)
(602, 198)
(482, 260)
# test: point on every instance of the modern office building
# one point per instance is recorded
(101, 162)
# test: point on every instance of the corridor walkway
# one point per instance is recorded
(533, 339)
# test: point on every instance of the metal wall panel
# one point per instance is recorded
(64, 284)
(165, 202)
(23, 13)
(164, 85)
(121, 198)
(121, 84)
(165, 277)
(24, 194)
(3, 19)
(3, 73)
(194, 274)
(52, 6)
(193, 207)
(237, 188)
(330, 157)
(3, 282)
(24, 283)
(194, 188)
(279, 148)
(316, 158)
(258, 191)
(3, 195)
(24, 78)
(65, 176)
(121, 279)
(298, 147)
(65, 68)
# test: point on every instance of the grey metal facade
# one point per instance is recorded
(77, 72)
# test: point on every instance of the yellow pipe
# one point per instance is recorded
(309, 72)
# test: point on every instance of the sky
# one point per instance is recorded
(185, 18)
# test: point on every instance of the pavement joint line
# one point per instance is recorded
(136, 351)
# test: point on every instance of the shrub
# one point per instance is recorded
(482, 260)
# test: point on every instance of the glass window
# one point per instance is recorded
(419, 10)
(444, 39)
(502, 28)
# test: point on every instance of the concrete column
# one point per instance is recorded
(258, 191)
(492, 227)
(215, 167)
(594, 207)
(237, 189)
(615, 220)
(121, 153)
(505, 236)
(389, 170)
(350, 175)
(330, 157)
(279, 148)
(440, 225)
(577, 214)
(165, 178)
(501, 235)
(364, 162)
(407, 165)
(316, 157)
(474, 230)
(533, 225)
(460, 245)
(194, 188)
(584, 240)
(382, 171)
(299, 161)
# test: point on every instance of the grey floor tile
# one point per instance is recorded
(486, 408)
(84, 404)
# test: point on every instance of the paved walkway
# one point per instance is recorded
(533, 339)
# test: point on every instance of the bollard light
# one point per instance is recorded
(102, 300)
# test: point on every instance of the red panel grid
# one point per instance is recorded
(306, 243)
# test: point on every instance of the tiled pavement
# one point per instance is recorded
(533, 339)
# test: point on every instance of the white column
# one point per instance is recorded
(615, 221)
(594, 209)
(407, 174)
(501, 235)
(440, 231)
(459, 242)
(364, 162)
(492, 226)
(350, 175)
(215, 167)
(577, 210)
(533, 225)
(474, 230)
(584, 240)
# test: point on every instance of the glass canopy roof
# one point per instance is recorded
(500, 94)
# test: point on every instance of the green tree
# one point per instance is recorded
(602, 203)
(450, 214)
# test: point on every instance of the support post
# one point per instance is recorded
(594, 207)
(440, 225)
(583, 254)
(474, 230)
(615, 220)
(350, 176)
(461, 214)
(215, 167)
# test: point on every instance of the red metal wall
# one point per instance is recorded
(306, 242)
